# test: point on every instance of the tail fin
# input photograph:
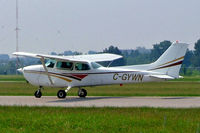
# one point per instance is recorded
(170, 61)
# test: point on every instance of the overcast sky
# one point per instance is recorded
(82, 25)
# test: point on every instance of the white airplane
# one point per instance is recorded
(82, 70)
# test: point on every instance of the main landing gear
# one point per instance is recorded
(82, 92)
(38, 93)
(63, 93)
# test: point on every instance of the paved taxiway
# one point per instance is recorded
(100, 101)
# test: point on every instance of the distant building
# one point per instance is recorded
(68, 53)
(141, 50)
(4, 57)
(92, 52)
(53, 53)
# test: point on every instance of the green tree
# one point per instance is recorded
(114, 50)
(159, 49)
(188, 58)
(196, 58)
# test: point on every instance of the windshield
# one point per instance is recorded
(95, 65)
(50, 63)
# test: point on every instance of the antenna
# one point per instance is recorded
(17, 39)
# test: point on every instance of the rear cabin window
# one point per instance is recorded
(82, 66)
(50, 63)
(64, 65)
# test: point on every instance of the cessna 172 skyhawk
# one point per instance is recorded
(82, 70)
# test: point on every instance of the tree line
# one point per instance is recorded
(190, 66)
(140, 55)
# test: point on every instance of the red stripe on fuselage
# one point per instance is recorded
(80, 76)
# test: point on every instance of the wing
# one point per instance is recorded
(79, 58)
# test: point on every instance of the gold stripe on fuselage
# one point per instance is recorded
(54, 75)
(66, 79)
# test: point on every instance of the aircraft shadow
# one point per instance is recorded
(78, 99)
(176, 98)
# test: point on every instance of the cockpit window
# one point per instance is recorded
(64, 65)
(95, 65)
(50, 63)
(82, 66)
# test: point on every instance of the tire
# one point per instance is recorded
(61, 94)
(38, 94)
(82, 93)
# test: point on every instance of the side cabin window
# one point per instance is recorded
(82, 66)
(64, 65)
(50, 63)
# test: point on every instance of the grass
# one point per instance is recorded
(12, 78)
(189, 78)
(21, 78)
(134, 120)
(189, 86)
(140, 89)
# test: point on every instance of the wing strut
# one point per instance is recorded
(110, 63)
(45, 68)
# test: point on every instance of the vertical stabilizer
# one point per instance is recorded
(170, 61)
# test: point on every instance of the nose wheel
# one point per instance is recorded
(38, 93)
(82, 92)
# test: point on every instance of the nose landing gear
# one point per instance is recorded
(38, 93)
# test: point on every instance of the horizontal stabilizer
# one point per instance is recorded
(161, 76)
(181, 77)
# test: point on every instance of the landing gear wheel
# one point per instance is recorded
(82, 93)
(38, 94)
(61, 94)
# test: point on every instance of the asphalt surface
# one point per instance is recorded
(101, 101)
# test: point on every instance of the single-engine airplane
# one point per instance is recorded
(82, 70)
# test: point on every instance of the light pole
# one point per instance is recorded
(17, 38)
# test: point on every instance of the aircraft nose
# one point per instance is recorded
(20, 70)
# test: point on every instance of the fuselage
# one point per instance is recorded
(37, 76)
